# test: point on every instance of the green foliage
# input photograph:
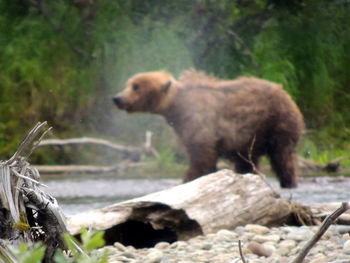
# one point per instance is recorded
(312, 65)
(319, 57)
(90, 241)
(80, 252)
(29, 254)
(167, 158)
(273, 64)
(37, 81)
(310, 150)
(64, 63)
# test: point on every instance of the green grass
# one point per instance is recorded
(324, 155)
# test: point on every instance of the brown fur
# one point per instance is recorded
(240, 119)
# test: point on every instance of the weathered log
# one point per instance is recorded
(222, 200)
(85, 169)
(89, 140)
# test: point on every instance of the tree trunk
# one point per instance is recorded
(222, 200)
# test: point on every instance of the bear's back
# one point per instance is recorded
(232, 110)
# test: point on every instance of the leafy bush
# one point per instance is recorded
(65, 67)
(83, 254)
(79, 252)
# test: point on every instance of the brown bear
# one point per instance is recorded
(240, 119)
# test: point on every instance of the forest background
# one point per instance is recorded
(62, 61)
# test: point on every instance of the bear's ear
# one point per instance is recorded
(166, 86)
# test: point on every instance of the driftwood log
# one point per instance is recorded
(308, 167)
(129, 152)
(132, 155)
(86, 169)
(222, 200)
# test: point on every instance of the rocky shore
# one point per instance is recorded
(260, 245)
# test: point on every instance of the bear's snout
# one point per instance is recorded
(118, 101)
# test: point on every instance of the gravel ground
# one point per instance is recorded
(259, 243)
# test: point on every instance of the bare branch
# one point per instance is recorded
(255, 169)
(27, 140)
(250, 156)
(27, 178)
(240, 251)
(148, 144)
(323, 228)
(36, 144)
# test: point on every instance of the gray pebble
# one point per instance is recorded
(257, 229)
(300, 234)
(155, 256)
(162, 245)
(128, 255)
(120, 246)
(179, 244)
(206, 246)
(259, 249)
(346, 247)
(266, 238)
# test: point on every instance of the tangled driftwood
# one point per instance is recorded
(27, 213)
(330, 219)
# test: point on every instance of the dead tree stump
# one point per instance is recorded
(28, 214)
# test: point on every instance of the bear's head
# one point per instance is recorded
(146, 92)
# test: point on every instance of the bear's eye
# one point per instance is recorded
(135, 87)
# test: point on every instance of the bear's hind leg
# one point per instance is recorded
(282, 157)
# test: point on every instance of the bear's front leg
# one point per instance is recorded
(202, 161)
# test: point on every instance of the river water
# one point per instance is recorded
(78, 193)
